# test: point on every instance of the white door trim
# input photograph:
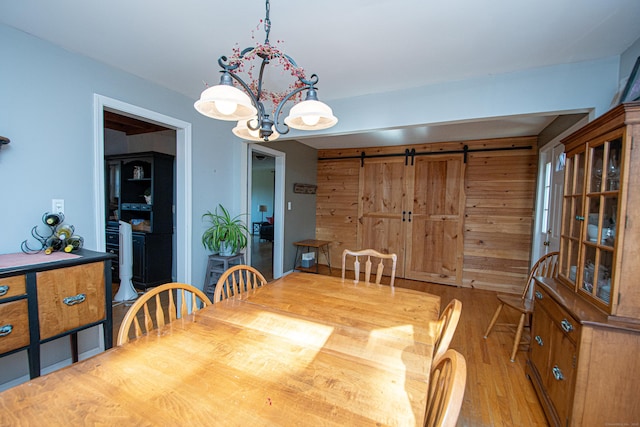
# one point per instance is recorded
(278, 202)
(549, 152)
(184, 208)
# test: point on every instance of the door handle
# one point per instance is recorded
(409, 216)
(403, 213)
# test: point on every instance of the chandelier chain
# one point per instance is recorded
(267, 22)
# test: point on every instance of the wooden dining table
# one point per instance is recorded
(305, 349)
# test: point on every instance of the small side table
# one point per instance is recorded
(217, 265)
(317, 246)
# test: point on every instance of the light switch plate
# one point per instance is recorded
(57, 206)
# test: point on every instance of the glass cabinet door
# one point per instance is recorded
(573, 217)
(602, 217)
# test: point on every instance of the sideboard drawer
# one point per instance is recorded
(12, 286)
(570, 326)
(70, 297)
(14, 325)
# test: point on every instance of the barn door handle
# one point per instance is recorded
(409, 216)
(403, 213)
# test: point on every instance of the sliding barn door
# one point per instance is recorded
(382, 189)
(435, 200)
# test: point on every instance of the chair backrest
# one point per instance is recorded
(446, 390)
(237, 280)
(447, 324)
(368, 254)
(546, 266)
(157, 297)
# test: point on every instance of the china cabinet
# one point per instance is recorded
(139, 191)
(586, 323)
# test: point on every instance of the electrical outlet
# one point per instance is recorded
(57, 206)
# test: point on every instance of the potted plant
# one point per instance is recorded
(226, 235)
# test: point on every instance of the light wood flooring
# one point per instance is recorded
(498, 393)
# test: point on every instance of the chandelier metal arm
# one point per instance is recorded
(222, 62)
(256, 102)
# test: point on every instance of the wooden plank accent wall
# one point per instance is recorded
(499, 213)
(337, 206)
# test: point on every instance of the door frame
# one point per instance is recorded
(549, 152)
(278, 201)
(183, 198)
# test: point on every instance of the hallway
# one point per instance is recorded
(262, 256)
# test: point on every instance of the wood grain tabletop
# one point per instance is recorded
(305, 349)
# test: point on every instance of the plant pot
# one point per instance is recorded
(226, 249)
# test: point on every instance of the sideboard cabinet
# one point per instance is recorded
(586, 323)
(45, 301)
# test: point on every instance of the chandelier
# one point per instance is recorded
(227, 102)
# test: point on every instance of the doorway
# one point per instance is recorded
(140, 191)
(182, 208)
(263, 169)
(255, 154)
(549, 192)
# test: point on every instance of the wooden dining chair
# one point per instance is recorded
(156, 297)
(546, 266)
(447, 325)
(369, 253)
(446, 390)
(237, 280)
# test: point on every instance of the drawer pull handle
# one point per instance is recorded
(566, 325)
(557, 373)
(5, 330)
(538, 294)
(539, 340)
(3, 290)
(80, 298)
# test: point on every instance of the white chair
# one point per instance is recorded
(368, 254)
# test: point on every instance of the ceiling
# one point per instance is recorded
(356, 47)
(129, 125)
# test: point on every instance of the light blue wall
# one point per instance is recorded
(46, 109)
(262, 189)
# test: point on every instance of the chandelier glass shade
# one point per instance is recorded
(243, 131)
(226, 101)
